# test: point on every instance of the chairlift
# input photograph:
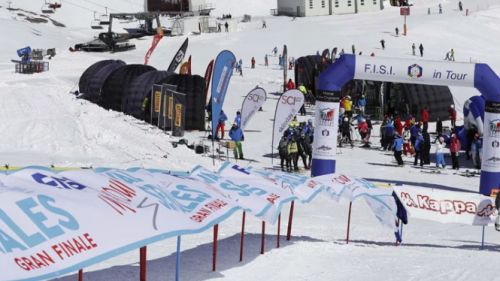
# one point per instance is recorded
(95, 23)
(104, 19)
(46, 9)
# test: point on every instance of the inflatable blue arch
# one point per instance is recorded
(349, 67)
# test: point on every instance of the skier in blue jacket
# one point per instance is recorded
(419, 147)
(237, 136)
(398, 149)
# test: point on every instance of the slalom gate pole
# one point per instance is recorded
(178, 259)
(142, 263)
(213, 151)
(290, 220)
(263, 238)
(242, 237)
(348, 222)
(482, 239)
(278, 238)
(80, 275)
(399, 230)
(214, 253)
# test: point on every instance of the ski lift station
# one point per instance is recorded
(302, 8)
(179, 7)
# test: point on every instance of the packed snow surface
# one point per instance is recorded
(43, 124)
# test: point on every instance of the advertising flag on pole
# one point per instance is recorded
(287, 107)
(223, 70)
(208, 76)
(156, 39)
(252, 102)
(179, 56)
(285, 62)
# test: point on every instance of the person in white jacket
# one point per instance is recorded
(440, 150)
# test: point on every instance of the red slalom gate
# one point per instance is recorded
(80, 275)
(290, 219)
(263, 237)
(142, 263)
(242, 237)
(214, 254)
(349, 222)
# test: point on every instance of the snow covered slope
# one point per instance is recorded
(43, 124)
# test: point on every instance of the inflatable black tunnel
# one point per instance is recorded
(116, 85)
(306, 70)
(97, 80)
(84, 83)
(194, 88)
(140, 89)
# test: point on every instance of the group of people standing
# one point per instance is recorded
(296, 143)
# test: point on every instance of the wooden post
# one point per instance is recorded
(142, 263)
(242, 237)
(278, 238)
(349, 222)
(290, 219)
(263, 237)
(214, 254)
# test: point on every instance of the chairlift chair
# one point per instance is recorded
(46, 9)
(95, 23)
(104, 19)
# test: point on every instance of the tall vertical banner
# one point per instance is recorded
(208, 77)
(285, 66)
(287, 107)
(167, 107)
(251, 104)
(155, 99)
(179, 56)
(325, 134)
(179, 114)
(490, 166)
(156, 39)
(223, 70)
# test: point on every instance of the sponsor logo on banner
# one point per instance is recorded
(157, 101)
(325, 133)
(324, 148)
(290, 100)
(179, 56)
(222, 84)
(415, 71)
(494, 128)
(326, 117)
(254, 97)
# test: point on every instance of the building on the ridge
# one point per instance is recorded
(305, 8)
(195, 7)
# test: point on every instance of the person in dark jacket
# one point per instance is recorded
(427, 148)
(346, 132)
(421, 49)
(283, 152)
(419, 146)
(454, 151)
(237, 136)
(439, 127)
(398, 149)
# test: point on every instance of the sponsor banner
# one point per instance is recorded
(447, 206)
(56, 223)
(380, 200)
(491, 138)
(325, 133)
(414, 71)
(251, 104)
(301, 186)
(223, 70)
(287, 107)
(208, 76)
(179, 56)
(156, 40)
(266, 194)
(285, 67)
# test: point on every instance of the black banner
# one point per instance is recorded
(179, 114)
(179, 56)
(492, 107)
(327, 96)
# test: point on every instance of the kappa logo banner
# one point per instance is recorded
(56, 223)
(447, 206)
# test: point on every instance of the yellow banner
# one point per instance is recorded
(178, 115)
(157, 101)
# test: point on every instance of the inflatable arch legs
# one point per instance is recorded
(349, 67)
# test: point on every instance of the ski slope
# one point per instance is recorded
(42, 124)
